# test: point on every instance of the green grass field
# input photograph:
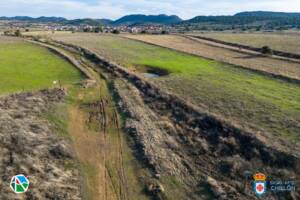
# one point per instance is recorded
(26, 67)
(239, 95)
(288, 42)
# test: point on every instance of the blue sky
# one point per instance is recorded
(116, 8)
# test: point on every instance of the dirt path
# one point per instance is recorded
(98, 150)
(88, 145)
(108, 166)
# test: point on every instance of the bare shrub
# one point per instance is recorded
(266, 50)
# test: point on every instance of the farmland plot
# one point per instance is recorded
(187, 149)
(203, 48)
(288, 42)
(241, 96)
(27, 67)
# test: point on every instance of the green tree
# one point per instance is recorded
(98, 29)
(7, 32)
(115, 31)
(164, 32)
(86, 29)
(18, 33)
(266, 50)
(258, 28)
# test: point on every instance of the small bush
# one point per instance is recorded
(115, 31)
(98, 29)
(37, 38)
(18, 33)
(7, 32)
(143, 32)
(86, 30)
(266, 50)
(164, 32)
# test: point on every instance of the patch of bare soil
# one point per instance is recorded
(88, 128)
(202, 48)
(89, 148)
(29, 146)
(9, 40)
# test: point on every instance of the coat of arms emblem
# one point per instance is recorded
(259, 184)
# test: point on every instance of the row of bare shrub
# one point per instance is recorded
(264, 49)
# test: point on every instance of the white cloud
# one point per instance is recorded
(65, 8)
(117, 8)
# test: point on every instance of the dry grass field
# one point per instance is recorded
(46, 33)
(241, 96)
(288, 42)
(266, 64)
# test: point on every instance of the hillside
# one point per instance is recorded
(159, 19)
(88, 21)
(267, 14)
(126, 20)
(35, 20)
(257, 18)
(263, 19)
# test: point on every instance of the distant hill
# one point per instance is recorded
(142, 19)
(87, 21)
(256, 18)
(59, 20)
(265, 19)
(36, 20)
(266, 14)
(126, 20)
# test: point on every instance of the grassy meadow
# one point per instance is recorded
(26, 67)
(288, 42)
(241, 96)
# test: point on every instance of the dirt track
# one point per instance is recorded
(95, 130)
(200, 48)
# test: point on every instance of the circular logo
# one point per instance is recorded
(19, 184)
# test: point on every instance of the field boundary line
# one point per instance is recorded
(244, 48)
